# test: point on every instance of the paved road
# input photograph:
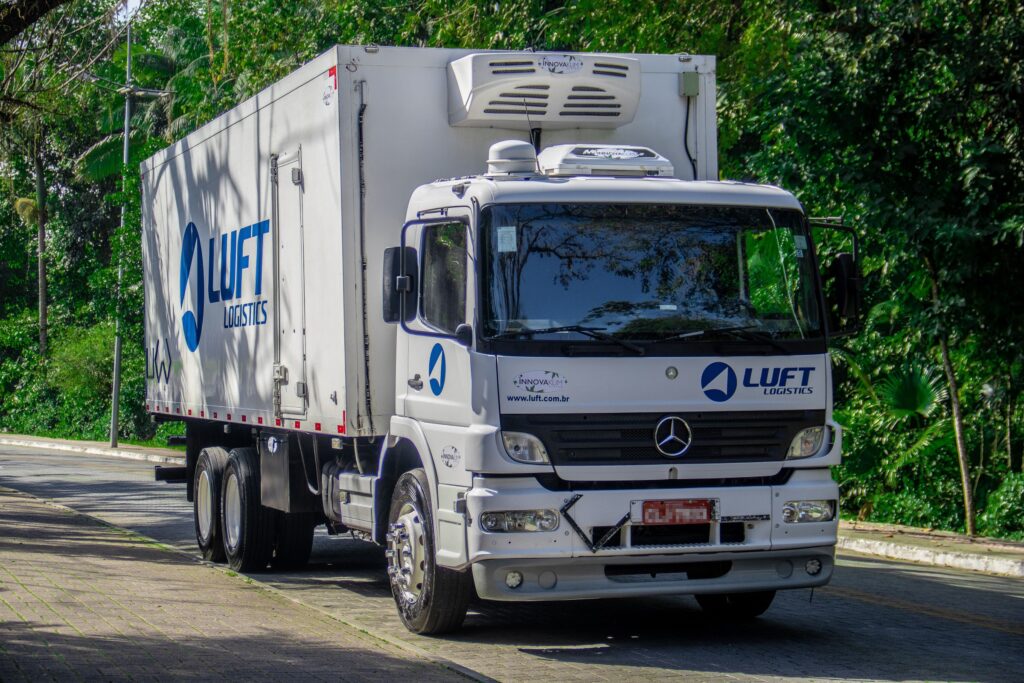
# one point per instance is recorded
(83, 601)
(878, 620)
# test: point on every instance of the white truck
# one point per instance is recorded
(577, 366)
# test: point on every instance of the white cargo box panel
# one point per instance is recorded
(243, 262)
(256, 226)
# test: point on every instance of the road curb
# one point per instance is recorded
(92, 450)
(1001, 566)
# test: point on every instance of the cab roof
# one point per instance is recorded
(529, 189)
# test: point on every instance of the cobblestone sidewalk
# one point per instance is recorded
(81, 601)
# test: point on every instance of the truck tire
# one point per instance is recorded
(737, 606)
(247, 526)
(430, 599)
(294, 540)
(206, 486)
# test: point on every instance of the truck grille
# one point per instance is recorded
(617, 439)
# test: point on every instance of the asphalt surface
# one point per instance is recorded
(877, 620)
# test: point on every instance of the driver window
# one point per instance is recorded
(443, 280)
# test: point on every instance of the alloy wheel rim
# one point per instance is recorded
(204, 504)
(407, 555)
(232, 511)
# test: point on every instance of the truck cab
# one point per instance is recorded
(621, 379)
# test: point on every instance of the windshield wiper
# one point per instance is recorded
(744, 332)
(592, 332)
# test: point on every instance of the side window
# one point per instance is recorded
(443, 280)
(772, 271)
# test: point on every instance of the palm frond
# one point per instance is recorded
(911, 391)
(921, 447)
(104, 159)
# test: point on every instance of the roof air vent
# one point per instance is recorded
(511, 156)
(606, 160)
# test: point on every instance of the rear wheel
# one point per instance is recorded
(247, 526)
(430, 599)
(206, 488)
(736, 605)
(294, 540)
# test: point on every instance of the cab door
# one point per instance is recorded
(438, 386)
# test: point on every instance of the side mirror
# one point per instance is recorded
(464, 335)
(400, 284)
(843, 295)
(841, 280)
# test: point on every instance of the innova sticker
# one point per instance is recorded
(539, 381)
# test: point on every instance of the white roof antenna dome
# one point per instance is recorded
(511, 156)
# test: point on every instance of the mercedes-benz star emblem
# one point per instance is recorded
(672, 436)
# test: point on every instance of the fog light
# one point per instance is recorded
(513, 580)
(813, 567)
(806, 443)
(519, 520)
(798, 511)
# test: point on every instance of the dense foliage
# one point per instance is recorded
(904, 117)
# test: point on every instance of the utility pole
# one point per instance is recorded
(116, 393)
(129, 91)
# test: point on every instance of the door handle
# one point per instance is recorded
(416, 383)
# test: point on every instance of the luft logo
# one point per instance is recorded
(204, 287)
(436, 369)
(780, 381)
(718, 382)
(192, 320)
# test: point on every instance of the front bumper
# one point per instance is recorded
(747, 549)
(616, 577)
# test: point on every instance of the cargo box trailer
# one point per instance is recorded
(495, 311)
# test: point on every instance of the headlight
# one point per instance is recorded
(797, 511)
(519, 520)
(524, 448)
(806, 443)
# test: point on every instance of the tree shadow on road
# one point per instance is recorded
(38, 651)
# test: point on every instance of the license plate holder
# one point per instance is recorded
(679, 511)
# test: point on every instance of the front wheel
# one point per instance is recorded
(739, 606)
(430, 599)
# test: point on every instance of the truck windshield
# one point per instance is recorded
(646, 272)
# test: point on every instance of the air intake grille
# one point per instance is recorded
(513, 66)
(609, 69)
(522, 100)
(591, 101)
(618, 439)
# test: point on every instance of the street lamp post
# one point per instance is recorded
(129, 91)
(116, 392)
